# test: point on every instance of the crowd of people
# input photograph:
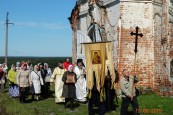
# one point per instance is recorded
(70, 85)
(23, 79)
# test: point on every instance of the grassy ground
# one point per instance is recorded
(150, 104)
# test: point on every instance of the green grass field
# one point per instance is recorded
(150, 104)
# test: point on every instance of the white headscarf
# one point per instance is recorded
(35, 67)
(17, 63)
(45, 64)
(70, 67)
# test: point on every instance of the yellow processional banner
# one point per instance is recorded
(99, 58)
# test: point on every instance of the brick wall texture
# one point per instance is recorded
(155, 48)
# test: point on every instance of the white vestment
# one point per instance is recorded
(37, 81)
(81, 89)
(57, 76)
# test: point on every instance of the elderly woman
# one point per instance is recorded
(69, 90)
(37, 81)
(2, 78)
(47, 78)
(18, 67)
(12, 77)
(43, 74)
(24, 82)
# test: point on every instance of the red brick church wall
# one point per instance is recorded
(145, 55)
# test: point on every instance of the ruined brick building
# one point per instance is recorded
(114, 20)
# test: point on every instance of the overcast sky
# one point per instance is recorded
(41, 27)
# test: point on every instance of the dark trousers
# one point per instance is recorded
(125, 104)
(71, 103)
(110, 94)
(47, 84)
(95, 100)
(23, 93)
(42, 91)
(2, 87)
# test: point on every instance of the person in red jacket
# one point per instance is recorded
(67, 63)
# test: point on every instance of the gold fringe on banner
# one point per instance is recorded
(101, 95)
(89, 95)
(109, 63)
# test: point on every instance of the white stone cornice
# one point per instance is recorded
(154, 1)
(142, 1)
(83, 13)
(105, 2)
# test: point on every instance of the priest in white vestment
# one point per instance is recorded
(81, 89)
(57, 78)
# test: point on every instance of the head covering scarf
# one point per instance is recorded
(70, 67)
(45, 64)
(80, 60)
(24, 64)
(35, 67)
(38, 64)
(17, 63)
(12, 66)
(41, 64)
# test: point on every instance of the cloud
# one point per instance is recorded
(45, 25)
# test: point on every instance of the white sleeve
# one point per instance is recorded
(41, 79)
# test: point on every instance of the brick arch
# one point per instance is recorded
(156, 14)
(157, 30)
(95, 32)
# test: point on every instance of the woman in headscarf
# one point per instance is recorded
(69, 90)
(47, 78)
(48, 73)
(24, 82)
(18, 67)
(43, 74)
(2, 78)
(37, 81)
(12, 77)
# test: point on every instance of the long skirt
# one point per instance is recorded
(23, 93)
(14, 90)
(2, 82)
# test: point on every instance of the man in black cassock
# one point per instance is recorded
(110, 92)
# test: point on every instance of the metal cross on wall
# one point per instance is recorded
(136, 40)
